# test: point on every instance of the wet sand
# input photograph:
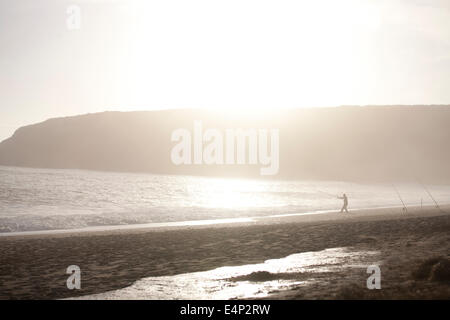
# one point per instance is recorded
(33, 266)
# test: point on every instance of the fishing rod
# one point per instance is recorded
(326, 193)
(431, 196)
(400, 197)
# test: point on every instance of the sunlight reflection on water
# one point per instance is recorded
(247, 281)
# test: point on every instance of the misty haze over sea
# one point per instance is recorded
(372, 146)
(383, 143)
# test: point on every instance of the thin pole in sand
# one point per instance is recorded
(405, 209)
(431, 196)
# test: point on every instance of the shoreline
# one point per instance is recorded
(34, 266)
(325, 215)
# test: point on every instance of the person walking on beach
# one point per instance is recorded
(344, 207)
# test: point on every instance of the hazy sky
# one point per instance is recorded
(134, 55)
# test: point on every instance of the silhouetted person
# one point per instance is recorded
(344, 207)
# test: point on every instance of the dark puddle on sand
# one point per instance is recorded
(247, 281)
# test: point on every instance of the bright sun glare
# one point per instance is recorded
(309, 53)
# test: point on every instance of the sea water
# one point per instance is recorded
(49, 199)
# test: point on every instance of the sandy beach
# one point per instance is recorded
(34, 266)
